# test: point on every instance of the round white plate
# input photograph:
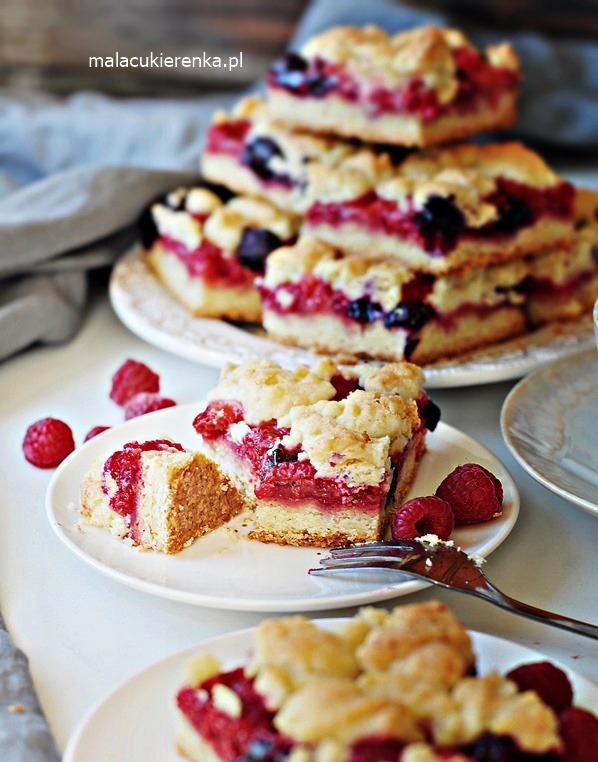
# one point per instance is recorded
(224, 569)
(136, 722)
(549, 422)
(150, 312)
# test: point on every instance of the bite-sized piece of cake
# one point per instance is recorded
(563, 284)
(208, 252)
(416, 88)
(249, 153)
(453, 208)
(323, 455)
(157, 495)
(385, 685)
(323, 299)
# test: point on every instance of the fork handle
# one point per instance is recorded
(496, 596)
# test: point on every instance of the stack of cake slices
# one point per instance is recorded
(410, 245)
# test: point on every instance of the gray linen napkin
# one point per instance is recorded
(24, 733)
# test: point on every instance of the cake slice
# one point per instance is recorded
(317, 297)
(563, 284)
(208, 252)
(416, 88)
(322, 455)
(248, 152)
(157, 495)
(451, 209)
(384, 685)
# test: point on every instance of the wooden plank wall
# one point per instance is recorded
(47, 43)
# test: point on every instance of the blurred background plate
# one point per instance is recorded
(549, 423)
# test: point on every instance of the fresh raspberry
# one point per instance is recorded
(579, 730)
(549, 682)
(146, 402)
(47, 443)
(473, 493)
(94, 432)
(423, 515)
(131, 378)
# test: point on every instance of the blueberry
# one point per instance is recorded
(279, 455)
(294, 73)
(264, 751)
(363, 310)
(289, 71)
(514, 214)
(412, 315)
(257, 155)
(441, 218)
(256, 244)
(430, 414)
(147, 229)
(492, 748)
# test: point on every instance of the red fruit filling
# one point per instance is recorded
(440, 224)
(227, 137)
(124, 469)
(131, 378)
(250, 736)
(548, 681)
(421, 516)
(277, 471)
(210, 263)
(479, 81)
(95, 431)
(375, 750)
(146, 402)
(472, 492)
(47, 442)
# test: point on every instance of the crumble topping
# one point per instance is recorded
(224, 222)
(399, 674)
(372, 55)
(268, 391)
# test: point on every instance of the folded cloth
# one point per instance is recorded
(24, 733)
(72, 173)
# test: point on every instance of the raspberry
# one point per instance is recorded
(131, 378)
(146, 402)
(47, 443)
(473, 493)
(423, 515)
(94, 432)
(579, 731)
(549, 682)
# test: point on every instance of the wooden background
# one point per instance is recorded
(47, 43)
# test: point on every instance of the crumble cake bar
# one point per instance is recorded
(416, 88)
(452, 208)
(251, 154)
(326, 300)
(208, 252)
(322, 455)
(385, 685)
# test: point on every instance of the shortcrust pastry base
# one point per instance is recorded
(336, 115)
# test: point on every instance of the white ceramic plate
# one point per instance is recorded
(136, 722)
(223, 571)
(150, 312)
(549, 422)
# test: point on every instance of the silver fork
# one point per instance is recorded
(444, 565)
